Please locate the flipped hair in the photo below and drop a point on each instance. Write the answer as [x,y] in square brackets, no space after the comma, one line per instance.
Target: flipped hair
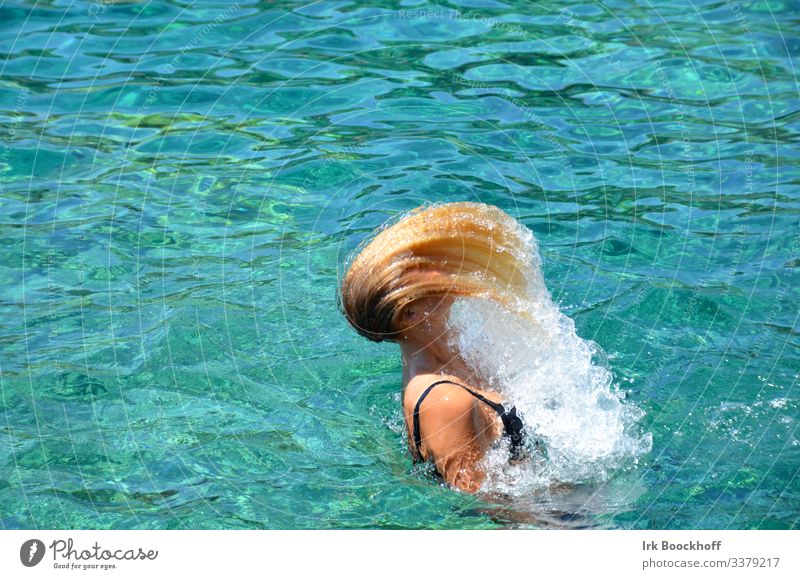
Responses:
[452,249]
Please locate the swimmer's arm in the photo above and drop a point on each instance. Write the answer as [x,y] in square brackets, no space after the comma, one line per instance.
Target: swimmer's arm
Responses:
[456,432]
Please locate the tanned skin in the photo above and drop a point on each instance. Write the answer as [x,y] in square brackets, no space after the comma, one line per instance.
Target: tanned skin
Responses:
[455,427]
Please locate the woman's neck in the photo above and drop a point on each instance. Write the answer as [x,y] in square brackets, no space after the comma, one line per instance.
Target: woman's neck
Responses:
[433,358]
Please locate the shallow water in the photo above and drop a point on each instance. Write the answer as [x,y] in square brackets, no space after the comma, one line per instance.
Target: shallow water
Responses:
[181,184]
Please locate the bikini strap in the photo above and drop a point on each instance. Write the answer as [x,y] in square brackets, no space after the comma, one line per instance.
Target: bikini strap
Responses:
[512,424]
[513,427]
[417,436]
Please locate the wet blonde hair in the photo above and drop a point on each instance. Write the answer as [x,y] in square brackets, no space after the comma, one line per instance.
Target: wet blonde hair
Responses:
[452,249]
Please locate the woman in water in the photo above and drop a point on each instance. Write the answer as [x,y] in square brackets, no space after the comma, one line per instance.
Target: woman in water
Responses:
[401,286]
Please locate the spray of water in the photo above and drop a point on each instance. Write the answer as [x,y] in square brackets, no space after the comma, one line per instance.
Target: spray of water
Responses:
[533,356]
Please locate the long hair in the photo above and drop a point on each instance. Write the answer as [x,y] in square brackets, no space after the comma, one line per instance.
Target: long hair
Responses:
[452,249]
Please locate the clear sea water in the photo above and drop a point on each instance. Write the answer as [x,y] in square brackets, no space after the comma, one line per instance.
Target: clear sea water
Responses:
[180,183]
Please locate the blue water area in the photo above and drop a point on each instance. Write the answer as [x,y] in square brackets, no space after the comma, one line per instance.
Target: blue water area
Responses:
[181,183]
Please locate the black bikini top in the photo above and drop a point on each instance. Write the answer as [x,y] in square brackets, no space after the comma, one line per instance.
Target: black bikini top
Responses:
[513,428]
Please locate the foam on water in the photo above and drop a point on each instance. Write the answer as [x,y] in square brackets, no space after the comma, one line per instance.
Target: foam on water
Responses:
[565,394]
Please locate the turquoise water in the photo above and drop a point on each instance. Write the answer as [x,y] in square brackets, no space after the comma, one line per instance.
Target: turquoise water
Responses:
[181,183]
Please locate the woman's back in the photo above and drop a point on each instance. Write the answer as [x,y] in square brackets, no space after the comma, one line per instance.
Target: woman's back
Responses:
[449,425]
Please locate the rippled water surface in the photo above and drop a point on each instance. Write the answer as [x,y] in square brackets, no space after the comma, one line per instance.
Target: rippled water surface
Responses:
[181,183]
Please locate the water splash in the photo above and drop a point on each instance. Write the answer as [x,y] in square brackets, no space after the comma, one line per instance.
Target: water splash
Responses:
[558,382]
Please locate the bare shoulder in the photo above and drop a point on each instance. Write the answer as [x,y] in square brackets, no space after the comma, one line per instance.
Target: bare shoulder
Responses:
[419,383]
[454,427]
[447,406]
